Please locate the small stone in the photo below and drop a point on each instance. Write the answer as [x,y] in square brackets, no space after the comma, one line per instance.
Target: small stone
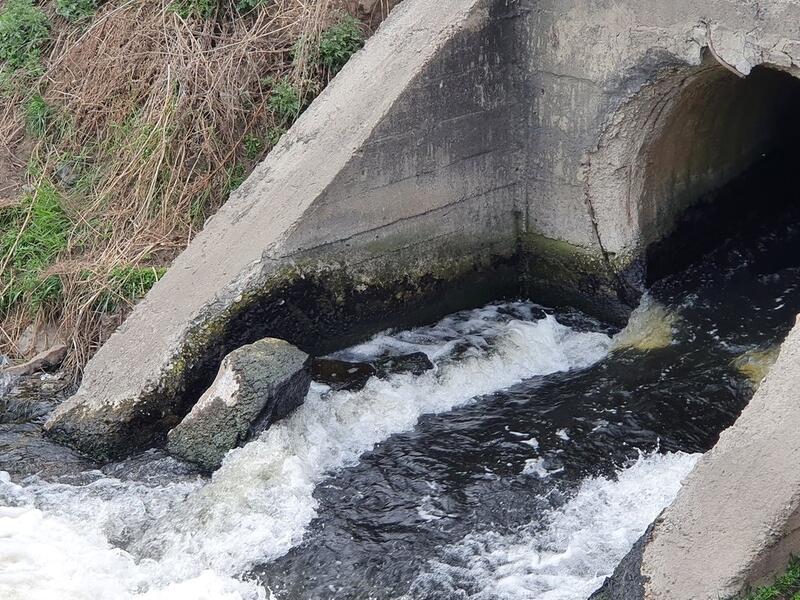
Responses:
[67,174]
[341,374]
[256,386]
[52,357]
[38,338]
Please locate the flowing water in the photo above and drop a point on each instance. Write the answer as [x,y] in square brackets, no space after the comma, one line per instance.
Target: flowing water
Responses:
[525,464]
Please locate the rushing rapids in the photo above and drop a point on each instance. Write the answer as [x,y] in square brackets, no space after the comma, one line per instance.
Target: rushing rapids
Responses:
[523,465]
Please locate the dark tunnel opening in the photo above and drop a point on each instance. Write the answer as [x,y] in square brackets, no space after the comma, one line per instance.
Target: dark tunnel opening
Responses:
[725,160]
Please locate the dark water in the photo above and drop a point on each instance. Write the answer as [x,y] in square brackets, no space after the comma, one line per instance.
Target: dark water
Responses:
[370,540]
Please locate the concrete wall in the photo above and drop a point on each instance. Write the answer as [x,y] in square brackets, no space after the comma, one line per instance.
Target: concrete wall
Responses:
[392,198]
[474,149]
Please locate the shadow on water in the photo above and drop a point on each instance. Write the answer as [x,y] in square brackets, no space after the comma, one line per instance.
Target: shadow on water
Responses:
[384,520]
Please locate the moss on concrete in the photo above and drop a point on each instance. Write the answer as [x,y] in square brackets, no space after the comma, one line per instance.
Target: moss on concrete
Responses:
[558,274]
[316,306]
[321,304]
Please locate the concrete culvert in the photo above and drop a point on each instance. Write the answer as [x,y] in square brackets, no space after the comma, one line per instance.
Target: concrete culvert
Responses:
[674,165]
[718,160]
[718,128]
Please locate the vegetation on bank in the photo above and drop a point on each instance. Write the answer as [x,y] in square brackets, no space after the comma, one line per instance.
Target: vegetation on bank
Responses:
[787,586]
[126,123]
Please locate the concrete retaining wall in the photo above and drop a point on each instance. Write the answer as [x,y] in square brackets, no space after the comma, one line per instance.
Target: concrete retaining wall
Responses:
[392,197]
[473,149]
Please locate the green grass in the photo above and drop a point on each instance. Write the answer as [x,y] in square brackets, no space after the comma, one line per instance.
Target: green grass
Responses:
[275,134]
[76,10]
[236,176]
[202,9]
[253,146]
[285,101]
[24,29]
[37,115]
[339,42]
[126,284]
[33,236]
[786,587]
[246,6]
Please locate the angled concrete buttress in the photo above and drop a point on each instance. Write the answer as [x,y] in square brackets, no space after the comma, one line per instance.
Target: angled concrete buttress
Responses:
[393,194]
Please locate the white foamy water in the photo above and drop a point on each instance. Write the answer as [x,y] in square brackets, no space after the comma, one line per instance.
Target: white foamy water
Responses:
[569,552]
[191,540]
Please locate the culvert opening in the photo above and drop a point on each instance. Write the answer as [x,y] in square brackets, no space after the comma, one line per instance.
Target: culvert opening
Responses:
[722,160]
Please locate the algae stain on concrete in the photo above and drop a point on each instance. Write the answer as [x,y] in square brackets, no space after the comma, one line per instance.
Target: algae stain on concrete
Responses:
[558,273]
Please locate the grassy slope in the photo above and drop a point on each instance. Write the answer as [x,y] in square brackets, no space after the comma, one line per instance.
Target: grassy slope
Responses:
[126,124]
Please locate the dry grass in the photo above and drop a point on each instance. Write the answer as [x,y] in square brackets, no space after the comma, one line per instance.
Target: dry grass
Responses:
[139,125]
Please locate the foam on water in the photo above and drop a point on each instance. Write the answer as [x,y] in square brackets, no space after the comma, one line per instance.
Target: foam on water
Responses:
[63,541]
[567,554]
[192,539]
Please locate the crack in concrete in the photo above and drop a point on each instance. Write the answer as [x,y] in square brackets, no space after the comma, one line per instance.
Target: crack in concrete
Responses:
[443,208]
[624,290]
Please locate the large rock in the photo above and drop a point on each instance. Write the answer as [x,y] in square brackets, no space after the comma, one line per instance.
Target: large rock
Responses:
[256,386]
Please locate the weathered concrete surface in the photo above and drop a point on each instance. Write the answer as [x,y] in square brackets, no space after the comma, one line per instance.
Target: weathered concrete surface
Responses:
[632,118]
[736,521]
[256,385]
[390,196]
[488,149]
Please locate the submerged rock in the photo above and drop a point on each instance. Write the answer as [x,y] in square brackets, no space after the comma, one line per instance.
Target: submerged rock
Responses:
[25,399]
[25,452]
[353,376]
[756,363]
[341,374]
[256,385]
[152,467]
[415,363]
